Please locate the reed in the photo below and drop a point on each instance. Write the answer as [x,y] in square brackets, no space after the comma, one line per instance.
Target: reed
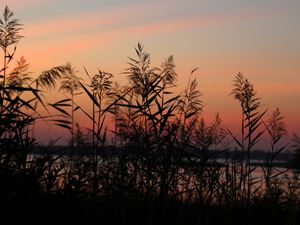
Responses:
[164,161]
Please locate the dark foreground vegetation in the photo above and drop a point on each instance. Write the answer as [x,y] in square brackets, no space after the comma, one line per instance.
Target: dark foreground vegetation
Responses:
[162,169]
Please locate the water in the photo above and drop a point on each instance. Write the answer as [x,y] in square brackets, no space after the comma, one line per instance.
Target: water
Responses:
[190,182]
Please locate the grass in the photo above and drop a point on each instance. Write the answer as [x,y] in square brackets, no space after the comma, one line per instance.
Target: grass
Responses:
[160,168]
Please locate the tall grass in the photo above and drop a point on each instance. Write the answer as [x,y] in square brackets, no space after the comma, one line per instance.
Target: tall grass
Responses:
[164,154]
[251,121]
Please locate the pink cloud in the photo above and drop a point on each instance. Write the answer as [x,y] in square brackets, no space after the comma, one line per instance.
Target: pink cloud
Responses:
[68,44]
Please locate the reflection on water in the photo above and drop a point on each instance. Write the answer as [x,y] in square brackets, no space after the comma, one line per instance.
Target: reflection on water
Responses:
[184,182]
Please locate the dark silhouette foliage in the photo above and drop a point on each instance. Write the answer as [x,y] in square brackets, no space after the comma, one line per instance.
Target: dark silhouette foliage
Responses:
[165,163]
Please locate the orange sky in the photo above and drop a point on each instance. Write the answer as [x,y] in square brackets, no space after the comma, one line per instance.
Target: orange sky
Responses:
[220,37]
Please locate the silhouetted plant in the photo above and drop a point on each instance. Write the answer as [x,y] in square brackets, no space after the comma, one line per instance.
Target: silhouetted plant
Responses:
[48,78]
[296,149]
[104,99]
[101,85]
[152,109]
[70,84]
[15,109]
[164,153]
[46,81]
[9,35]
[19,76]
[208,141]
[250,123]
[277,130]
[190,108]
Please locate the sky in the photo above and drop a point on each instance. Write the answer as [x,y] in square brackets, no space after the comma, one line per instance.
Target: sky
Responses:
[260,38]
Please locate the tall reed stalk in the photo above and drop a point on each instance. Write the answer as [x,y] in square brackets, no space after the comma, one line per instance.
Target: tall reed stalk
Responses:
[251,121]
[9,35]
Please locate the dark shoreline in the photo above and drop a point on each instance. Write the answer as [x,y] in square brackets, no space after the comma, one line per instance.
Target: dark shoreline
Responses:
[57,210]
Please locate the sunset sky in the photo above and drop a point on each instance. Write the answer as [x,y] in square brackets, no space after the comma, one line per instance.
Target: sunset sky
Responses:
[260,38]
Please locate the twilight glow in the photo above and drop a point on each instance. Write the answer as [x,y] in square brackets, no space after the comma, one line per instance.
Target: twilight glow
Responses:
[261,39]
